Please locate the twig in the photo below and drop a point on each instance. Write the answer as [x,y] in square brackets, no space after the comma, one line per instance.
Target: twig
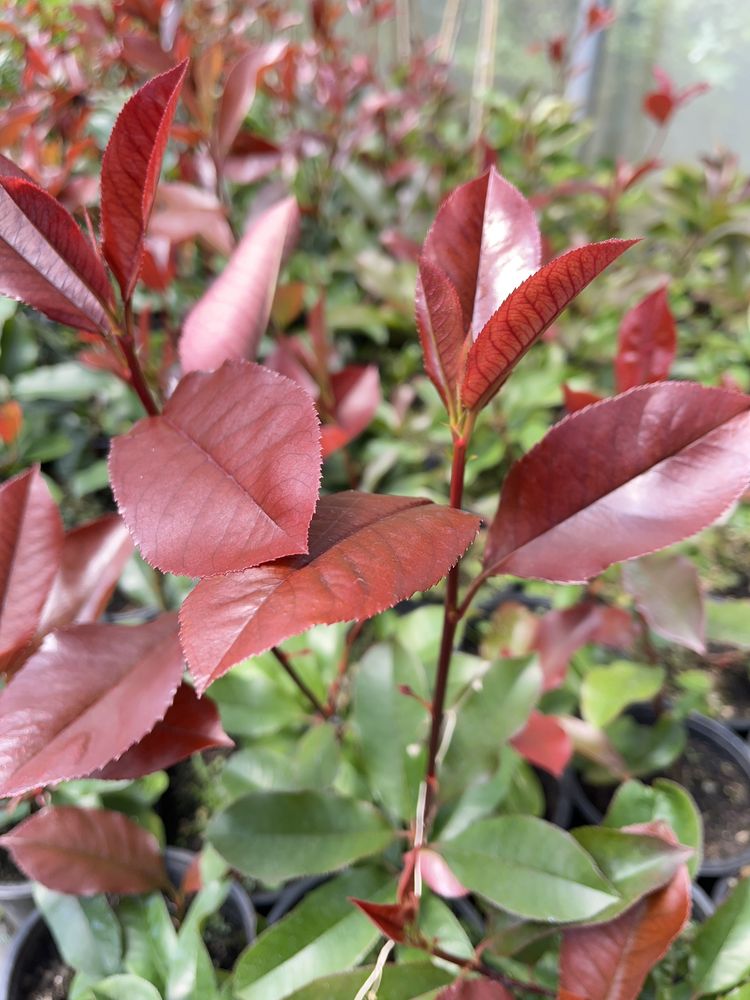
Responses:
[477,965]
[286,663]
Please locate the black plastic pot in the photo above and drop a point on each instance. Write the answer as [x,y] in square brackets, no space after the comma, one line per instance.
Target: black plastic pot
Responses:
[728,746]
[16,901]
[703,905]
[34,940]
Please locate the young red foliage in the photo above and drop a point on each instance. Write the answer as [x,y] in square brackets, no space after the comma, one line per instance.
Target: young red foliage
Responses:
[438,875]
[562,632]
[662,102]
[356,397]
[391,919]
[667,592]
[11,421]
[356,566]
[239,91]
[86,851]
[576,399]
[247,442]
[647,342]
[544,743]
[620,479]
[474,989]
[130,172]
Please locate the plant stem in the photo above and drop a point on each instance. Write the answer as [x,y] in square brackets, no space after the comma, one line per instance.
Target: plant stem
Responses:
[138,379]
[343,666]
[476,965]
[286,663]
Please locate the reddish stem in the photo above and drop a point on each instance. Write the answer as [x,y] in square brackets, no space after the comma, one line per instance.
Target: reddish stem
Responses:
[286,663]
[138,379]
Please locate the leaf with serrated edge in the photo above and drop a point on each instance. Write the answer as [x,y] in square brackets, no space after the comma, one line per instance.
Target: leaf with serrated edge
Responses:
[226,477]
[104,687]
[620,479]
[357,566]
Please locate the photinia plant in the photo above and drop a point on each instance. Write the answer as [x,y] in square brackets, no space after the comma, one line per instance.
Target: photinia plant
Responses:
[220,481]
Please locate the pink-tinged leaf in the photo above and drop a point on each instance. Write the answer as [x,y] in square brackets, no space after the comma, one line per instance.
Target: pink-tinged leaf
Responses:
[130,172]
[561,633]
[85,696]
[239,91]
[10,169]
[544,743]
[474,989]
[191,724]
[438,876]
[527,313]
[228,321]
[621,479]
[356,393]
[359,563]
[440,324]
[93,557]
[31,542]
[577,399]
[46,262]
[86,851]
[485,239]
[659,106]
[611,961]
[647,342]
[226,477]
[391,919]
[182,212]
[590,742]
[667,592]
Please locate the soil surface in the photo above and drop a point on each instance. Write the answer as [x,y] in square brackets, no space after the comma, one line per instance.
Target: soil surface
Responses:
[47,976]
[732,692]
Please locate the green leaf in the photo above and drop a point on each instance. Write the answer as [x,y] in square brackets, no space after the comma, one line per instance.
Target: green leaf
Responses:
[665,800]
[125,987]
[606,691]
[69,382]
[438,924]
[529,867]
[399,982]
[324,934]
[317,757]
[150,937]
[253,700]
[387,723]
[721,947]
[258,768]
[634,863]
[483,797]
[279,835]
[85,930]
[728,622]
[191,974]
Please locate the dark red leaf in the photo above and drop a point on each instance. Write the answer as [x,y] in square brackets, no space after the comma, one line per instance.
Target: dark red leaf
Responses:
[226,477]
[647,342]
[86,851]
[485,239]
[544,743]
[668,594]
[358,565]
[130,172]
[85,696]
[438,876]
[191,724]
[474,989]
[31,542]
[239,91]
[620,479]
[525,315]
[611,961]
[10,169]
[93,557]
[562,632]
[392,919]
[576,399]
[440,324]
[659,106]
[356,392]
[228,321]
[46,262]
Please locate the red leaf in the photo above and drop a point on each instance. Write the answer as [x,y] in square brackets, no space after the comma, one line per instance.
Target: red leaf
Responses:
[86,851]
[226,477]
[87,694]
[441,330]
[525,315]
[183,212]
[474,989]
[668,594]
[228,321]
[438,876]
[130,172]
[191,724]
[239,91]
[11,421]
[576,400]
[611,961]
[358,565]
[392,919]
[356,392]
[46,262]
[31,541]
[647,342]
[620,479]
[93,557]
[485,240]
[659,106]
[10,169]
[545,743]
[561,633]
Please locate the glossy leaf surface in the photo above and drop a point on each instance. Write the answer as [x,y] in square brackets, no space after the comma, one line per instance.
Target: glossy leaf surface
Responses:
[85,931]
[646,343]
[86,851]
[104,687]
[667,593]
[45,260]
[440,323]
[620,479]
[31,542]
[607,690]
[191,724]
[530,868]
[229,319]
[721,947]
[130,172]
[280,835]
[357,565]
[527,312]
[226,477]
[412,981]
[93,557]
